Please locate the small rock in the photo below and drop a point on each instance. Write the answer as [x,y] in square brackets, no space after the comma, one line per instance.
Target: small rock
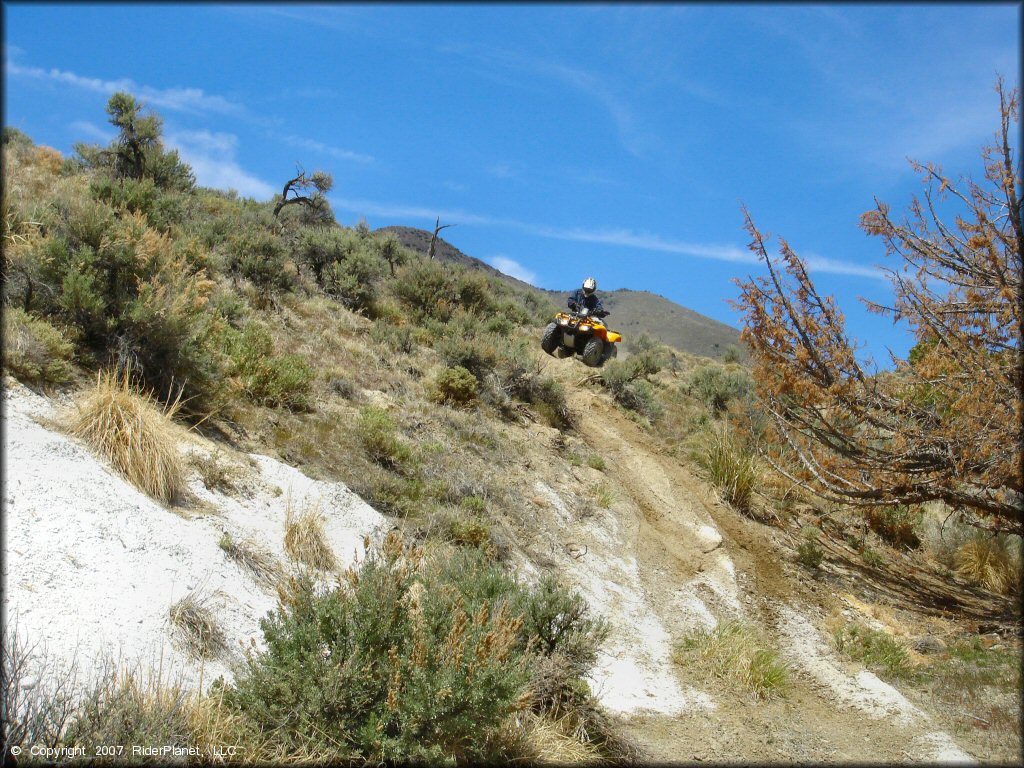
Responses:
[928,644]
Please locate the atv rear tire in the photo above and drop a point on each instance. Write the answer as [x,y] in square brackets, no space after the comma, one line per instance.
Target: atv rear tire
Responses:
[551,339]
[593,352]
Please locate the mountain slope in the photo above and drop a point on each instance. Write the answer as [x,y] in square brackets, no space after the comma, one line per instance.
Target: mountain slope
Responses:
[632,312]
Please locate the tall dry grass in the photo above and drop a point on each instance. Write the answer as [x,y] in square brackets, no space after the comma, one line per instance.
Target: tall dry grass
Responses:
[132,431]
[197,624]
[988,562]
[732,468]
[305,539]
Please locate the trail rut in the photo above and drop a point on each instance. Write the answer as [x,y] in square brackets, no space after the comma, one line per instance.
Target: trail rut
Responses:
[697,563]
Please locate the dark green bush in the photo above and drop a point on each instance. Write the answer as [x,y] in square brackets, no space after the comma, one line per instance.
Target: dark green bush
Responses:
[35,350]
[427,290]
[320,247]
[623,380]
[410,661]
[716,385]
[353,280]
[260,256]
[455,385]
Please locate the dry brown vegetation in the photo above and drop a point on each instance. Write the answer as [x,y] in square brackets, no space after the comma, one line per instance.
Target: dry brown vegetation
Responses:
[254,558]
[305,539]
[194,618]
[946,423]
[132,431]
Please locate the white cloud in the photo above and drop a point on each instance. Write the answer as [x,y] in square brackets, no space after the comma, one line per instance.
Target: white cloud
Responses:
[513,268]
[335,152]
[92,131]
[600,89]
[212,157]
[501,171]
[618,237]
[193,100]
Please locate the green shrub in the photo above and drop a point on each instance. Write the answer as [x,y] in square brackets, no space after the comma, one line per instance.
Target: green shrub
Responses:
[378,434]
[808,552]
[876,649]
[464,345]
[352,281]
[34,350]
[732,354]
[716,385]
[397,337]
[409,661]
[283,381]
[454,385]
[320,247]
[596,462]
[260,257]
[427,289]
[135,297]
[623,379]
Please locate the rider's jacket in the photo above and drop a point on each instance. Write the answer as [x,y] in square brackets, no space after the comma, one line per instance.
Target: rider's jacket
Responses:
[580,299]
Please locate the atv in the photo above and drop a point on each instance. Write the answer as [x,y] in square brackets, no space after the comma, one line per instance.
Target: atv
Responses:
[581,333]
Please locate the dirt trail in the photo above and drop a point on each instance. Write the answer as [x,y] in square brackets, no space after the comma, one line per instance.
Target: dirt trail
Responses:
[699,562]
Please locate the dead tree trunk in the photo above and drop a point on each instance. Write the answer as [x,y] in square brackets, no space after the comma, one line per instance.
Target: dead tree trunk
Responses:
[438,226]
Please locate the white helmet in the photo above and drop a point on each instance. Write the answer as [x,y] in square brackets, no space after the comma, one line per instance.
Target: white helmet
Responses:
[589,285]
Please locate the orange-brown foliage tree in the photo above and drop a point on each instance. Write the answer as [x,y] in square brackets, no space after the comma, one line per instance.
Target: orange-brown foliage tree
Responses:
[944,424]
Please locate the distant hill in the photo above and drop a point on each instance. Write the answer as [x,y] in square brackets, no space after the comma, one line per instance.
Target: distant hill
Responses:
[632,312]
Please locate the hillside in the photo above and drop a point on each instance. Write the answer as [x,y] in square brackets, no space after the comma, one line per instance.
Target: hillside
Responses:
[633,312]
[275,485]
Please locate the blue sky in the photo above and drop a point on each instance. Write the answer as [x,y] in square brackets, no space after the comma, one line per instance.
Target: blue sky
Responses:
[618,141]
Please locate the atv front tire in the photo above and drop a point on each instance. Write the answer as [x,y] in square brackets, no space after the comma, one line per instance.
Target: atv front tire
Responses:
[593,353]
[551,339]
[610,351]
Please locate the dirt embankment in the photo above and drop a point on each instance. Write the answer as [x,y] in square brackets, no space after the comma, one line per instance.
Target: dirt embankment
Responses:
[697,562]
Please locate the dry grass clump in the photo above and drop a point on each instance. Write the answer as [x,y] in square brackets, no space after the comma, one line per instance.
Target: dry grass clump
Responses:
[134,433]
[129,705]
[554,742]
[197,625]
[253,558]
[732,468]
[732,651]
[987,561]
[305,540]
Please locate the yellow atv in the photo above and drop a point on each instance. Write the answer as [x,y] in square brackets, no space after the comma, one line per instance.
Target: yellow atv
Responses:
[580,333]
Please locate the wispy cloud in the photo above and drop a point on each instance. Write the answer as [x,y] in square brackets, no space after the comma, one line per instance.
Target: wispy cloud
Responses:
[212,157]
[598,88]
[92,131]
[501,171]
[193,100]
[513,268]
[625,238]
[335,152]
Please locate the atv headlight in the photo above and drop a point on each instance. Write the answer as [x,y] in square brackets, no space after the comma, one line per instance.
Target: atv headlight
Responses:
[584,328]
[562,321]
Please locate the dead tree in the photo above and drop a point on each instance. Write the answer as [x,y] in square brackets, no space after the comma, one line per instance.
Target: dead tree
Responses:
[946,423]
[438,226]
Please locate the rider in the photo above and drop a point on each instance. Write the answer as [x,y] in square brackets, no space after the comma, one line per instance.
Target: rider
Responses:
[587,297]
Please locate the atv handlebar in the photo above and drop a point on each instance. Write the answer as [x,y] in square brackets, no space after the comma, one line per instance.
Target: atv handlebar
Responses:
[585,312]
